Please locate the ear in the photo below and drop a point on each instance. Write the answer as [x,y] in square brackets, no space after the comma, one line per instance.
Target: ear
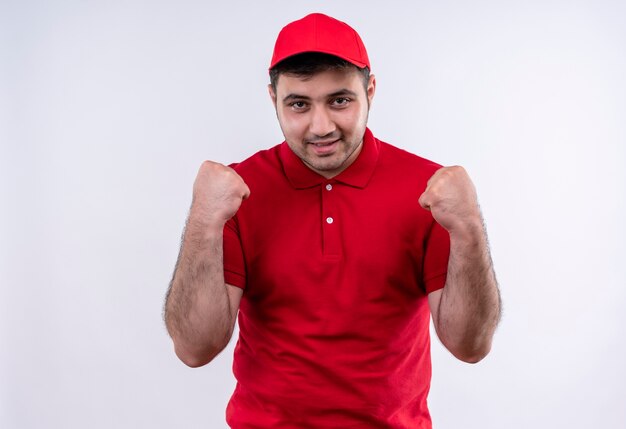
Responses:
[272,94]
[371,88]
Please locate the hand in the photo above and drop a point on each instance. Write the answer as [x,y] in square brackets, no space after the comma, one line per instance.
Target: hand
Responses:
[451,197]
[218,192]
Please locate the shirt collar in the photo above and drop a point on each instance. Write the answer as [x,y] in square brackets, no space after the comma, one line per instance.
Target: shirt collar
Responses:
[357,174]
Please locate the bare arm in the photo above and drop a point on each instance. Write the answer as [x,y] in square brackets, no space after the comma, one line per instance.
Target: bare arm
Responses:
[466,311]
[200,308]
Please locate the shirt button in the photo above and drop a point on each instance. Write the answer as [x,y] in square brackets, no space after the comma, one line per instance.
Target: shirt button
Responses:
[329,187]
[329,220]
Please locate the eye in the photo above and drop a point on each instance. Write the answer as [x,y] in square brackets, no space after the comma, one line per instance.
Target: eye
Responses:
[340,102]
[298,105]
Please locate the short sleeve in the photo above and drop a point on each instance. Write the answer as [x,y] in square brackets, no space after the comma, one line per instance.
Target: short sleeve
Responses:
[234,264]
[436,254]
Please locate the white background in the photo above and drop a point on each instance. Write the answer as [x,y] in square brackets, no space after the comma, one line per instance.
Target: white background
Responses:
[108,108]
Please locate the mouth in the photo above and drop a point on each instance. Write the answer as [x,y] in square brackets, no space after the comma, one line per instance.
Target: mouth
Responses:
[322,148]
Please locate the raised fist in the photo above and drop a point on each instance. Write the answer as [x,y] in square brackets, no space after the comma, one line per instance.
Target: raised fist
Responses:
[217,192]
[451,197]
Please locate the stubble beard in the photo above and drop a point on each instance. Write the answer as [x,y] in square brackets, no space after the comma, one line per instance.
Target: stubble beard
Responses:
[328,163]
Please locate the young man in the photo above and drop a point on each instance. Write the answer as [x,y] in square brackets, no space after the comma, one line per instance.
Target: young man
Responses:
[334,249]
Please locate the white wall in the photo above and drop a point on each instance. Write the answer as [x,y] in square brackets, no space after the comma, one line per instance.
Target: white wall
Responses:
[108,108]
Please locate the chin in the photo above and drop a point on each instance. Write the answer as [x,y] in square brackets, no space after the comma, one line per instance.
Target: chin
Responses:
[327,164]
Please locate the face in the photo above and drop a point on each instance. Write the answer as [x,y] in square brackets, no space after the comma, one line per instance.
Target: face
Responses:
[323,117]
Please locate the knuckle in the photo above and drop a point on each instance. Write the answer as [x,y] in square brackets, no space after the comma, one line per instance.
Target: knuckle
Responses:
[460,170]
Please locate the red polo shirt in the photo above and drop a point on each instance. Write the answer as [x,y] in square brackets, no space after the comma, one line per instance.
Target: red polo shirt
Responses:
[334,318]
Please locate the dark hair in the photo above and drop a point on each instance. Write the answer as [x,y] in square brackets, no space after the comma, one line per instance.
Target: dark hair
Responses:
[308,64]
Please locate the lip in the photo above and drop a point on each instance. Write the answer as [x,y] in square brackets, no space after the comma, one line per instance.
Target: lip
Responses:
[324,147]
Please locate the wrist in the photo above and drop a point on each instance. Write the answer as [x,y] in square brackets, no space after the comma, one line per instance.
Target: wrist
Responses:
[205,221]
[471,230]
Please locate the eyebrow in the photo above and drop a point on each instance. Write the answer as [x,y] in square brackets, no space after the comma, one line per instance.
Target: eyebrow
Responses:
[344,91]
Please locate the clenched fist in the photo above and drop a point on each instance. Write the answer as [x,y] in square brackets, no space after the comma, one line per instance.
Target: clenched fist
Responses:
[217,192]
[451,197]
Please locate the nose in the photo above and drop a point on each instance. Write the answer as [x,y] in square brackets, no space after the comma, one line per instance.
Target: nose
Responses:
[321,122]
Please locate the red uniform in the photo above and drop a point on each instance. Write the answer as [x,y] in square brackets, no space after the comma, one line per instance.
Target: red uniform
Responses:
[334,318]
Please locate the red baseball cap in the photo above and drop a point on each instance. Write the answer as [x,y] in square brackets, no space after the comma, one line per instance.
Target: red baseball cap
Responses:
[320,33]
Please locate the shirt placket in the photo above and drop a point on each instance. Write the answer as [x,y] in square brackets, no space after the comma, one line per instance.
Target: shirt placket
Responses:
[331,221]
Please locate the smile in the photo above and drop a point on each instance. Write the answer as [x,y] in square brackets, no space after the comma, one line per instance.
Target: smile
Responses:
[324,148]
[319,144]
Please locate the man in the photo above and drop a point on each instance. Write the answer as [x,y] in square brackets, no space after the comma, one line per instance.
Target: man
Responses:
[333,248]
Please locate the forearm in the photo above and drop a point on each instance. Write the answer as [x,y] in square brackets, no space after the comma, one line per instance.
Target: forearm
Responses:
[197,309]
[469,309]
